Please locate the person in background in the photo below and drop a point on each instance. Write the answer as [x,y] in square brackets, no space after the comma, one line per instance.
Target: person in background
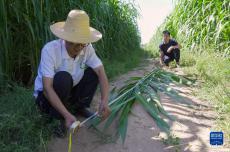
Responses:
[169,50]
[70,71]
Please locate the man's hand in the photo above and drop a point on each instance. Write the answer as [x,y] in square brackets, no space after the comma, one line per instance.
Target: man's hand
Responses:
[69,120]
[178,46]
[104,111]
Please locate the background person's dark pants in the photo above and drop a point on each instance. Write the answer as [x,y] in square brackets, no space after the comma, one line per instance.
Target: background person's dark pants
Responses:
[79,96]
[175,55]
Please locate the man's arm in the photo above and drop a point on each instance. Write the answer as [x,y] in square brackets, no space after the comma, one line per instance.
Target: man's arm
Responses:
[104,85]
[178,46]
[175,45]
[161,57]
[55,101]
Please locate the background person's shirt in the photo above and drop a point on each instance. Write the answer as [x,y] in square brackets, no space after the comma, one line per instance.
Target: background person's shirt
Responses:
[164,47]
[55,58]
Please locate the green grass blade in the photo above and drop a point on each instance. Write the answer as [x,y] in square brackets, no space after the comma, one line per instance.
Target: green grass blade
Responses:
[123,122]
[159,121]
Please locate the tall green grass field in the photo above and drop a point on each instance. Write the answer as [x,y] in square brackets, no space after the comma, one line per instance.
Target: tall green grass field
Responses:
[202,27]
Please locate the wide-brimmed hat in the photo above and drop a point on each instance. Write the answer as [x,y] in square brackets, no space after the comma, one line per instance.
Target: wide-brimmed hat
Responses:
[76,28]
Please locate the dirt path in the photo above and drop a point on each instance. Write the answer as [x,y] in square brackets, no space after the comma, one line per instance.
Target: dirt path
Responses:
[192,127]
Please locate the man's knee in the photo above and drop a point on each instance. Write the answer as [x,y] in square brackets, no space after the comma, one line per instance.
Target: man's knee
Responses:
[90,75]
[63,78]
[62,84]
[88,86]
[176,54]
[176,51]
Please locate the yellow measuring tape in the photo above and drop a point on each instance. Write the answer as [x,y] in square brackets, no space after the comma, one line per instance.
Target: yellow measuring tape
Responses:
[75,125]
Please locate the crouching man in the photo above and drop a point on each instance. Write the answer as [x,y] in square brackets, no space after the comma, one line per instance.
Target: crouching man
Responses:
[69,71]
[169,50]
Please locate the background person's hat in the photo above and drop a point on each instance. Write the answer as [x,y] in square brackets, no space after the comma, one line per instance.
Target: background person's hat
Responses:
[76,28]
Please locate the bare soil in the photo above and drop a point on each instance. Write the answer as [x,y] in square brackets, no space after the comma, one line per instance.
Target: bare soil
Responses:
[192,127]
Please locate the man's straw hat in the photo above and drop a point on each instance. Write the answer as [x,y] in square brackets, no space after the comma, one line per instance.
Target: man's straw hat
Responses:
[76,28]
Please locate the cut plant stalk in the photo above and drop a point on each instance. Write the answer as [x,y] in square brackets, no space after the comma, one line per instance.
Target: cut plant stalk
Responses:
[143,90]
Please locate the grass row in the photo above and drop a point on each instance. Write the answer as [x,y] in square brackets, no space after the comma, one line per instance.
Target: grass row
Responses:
[203,61]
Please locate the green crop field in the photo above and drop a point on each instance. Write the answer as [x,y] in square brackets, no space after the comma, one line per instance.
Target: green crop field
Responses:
[203,29]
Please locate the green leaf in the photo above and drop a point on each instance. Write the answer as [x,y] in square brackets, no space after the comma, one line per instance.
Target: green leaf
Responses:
[159,121]
[123,123]
[115,111]
[155,99]
[113,94]
[145,91]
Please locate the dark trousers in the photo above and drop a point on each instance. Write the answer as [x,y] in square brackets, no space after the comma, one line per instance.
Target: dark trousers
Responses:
[79,96]
[175,55]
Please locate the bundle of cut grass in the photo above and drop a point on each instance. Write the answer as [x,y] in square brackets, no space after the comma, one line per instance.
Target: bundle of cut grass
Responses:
[144,91]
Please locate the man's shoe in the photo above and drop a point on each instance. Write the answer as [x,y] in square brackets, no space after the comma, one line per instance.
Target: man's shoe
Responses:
[84,112]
